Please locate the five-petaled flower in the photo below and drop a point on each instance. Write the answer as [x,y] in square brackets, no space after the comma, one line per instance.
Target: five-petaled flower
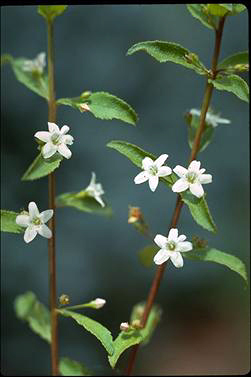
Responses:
[36,65]
[171,247]
[34,222]
[191,178]
[95,190]
[152,171]
[55,140]
[211,118]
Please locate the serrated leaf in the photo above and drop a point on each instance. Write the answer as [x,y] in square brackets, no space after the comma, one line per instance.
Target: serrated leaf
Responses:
[169,51]
[193,122]
[41,167]
[104,106]
[8,222]
[94,327]
[69,367]
[146,255]
[128,339]
[49,12]
[199,11]
[233,60]
[83,203]
[38,83]
[217,256]
[232,83]
[29,309]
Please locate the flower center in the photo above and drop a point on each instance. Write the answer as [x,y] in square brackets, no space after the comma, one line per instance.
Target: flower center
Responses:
[36,221]
[171,245]
[55,138]
[191,177]
[153,170]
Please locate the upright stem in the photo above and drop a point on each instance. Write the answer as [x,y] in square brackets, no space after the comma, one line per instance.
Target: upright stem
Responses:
[52,242]
[179,203]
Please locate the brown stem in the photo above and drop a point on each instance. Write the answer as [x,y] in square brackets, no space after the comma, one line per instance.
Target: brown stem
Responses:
[52,194]
[179,203]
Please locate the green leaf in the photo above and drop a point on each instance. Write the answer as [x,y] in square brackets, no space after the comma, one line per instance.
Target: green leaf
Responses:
[83,202]
[172,52]
[49,12]
[193,122]
[146,255]
[233,60]
[200,12]
[29,309]
[232,83]
[69,367]
[38,83]
[128,339]
[217,256]
[219,10]
[94,327]
[238,8]
[41,167]
[8,222]
[103,106]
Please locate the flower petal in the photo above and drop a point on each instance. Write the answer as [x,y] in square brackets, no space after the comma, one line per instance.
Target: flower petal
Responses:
[205,178]
[99,200]
[153,182]
[67,139]
[64,130]
[202,171]
[53,127]
[194,166]
[180,171]
[160,240]
[46,215]
[173,235]
[161,257]
[64,151]
[185,246]
[164,170]
[147,162]
[141,177]
[196,189]
[33,210]
[177,259]
[43,135]
[180,185]
[160,160]
[23,220]
[29,234]
[181,238]
[195,112]
[49,150]
[44,231]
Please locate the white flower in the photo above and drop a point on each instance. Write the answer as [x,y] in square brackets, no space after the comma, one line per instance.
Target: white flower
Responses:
[99,302]
[55,141]
[152,171]
[191,178]
[211,118]
[34,222]
[171,247]
[95,190]
[36,65]
[124,326]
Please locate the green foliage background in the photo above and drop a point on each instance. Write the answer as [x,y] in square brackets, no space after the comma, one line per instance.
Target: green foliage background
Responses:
[205,320]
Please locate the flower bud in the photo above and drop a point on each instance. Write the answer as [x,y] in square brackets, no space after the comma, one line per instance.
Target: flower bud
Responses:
[136,324]
[134,215]
[84,107]
[86,94]
[99,303]
[64,299]
[124,326]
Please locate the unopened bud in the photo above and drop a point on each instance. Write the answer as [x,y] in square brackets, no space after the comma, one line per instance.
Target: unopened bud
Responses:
[64,299]
[134,215]
[136,324]
[84,107]
[99,303]
[124,326]
[199,243]
[86,94]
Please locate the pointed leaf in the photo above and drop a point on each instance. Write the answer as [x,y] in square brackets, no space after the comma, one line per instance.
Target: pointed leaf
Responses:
[49,12]
[146,255]
[200,12]
[8,222]
[232,83]
[217,256]
[172,52]
[69,367]
[94,327]
[29,309]
[233,60]
[41,167]
[103,106]
[38,83]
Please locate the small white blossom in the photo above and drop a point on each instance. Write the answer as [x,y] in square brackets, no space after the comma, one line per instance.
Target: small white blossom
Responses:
[191,178]
[36,65]
[34,222]
[152,171]
[171,247]
[55,140]
[99,302]
[95,190]
[211,118]
[124,326]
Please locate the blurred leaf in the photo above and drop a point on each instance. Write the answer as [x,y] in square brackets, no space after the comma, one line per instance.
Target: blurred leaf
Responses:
[169,51]
[238,8]
[232,83]
[214,255]
[231,61]
[8,222]
[83,203]
[49,12]
[38,83]
[41,167]
[146,255]
[193,122]
[94,327]
[69,367]
[199,11]
[103,106]
[219,10]
[29,309]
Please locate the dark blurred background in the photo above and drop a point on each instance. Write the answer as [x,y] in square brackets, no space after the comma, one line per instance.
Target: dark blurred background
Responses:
[205,324]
